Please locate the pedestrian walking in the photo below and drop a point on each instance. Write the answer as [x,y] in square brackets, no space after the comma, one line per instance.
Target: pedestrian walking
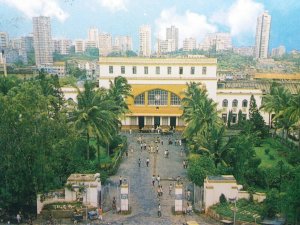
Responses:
[130,131]
[145,146]
[142,146]
[126,152]
[181,152]
[120,180]
[100,213]
[153,180]
[183,164]
[114,205]
[170,188]
[158,180]
[147,161]
[19,218]
[162,142]
[161,190]
[159,211]
[158,191]
[139,162]
[180,142]
[188,195]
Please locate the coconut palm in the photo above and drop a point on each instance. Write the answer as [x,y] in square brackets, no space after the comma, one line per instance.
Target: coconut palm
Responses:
[95,115]
[199,112]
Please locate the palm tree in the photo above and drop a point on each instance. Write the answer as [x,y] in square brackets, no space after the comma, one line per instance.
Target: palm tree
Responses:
[293,112]
[199,112]
[214,144]
[120,90]
[95,115]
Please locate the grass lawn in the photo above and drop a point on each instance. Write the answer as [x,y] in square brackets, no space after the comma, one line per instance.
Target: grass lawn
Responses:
[246,211]
[276,153]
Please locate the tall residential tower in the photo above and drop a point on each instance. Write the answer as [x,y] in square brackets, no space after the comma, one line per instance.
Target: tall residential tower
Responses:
[262,36]
[172,34]
[42,40]
[145,40]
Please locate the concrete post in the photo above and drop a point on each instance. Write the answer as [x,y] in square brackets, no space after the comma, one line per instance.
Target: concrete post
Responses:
[178,198]
[124,196]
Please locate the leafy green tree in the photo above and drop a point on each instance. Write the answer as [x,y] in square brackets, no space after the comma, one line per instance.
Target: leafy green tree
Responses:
[199,168]
[256,119]
[271,204]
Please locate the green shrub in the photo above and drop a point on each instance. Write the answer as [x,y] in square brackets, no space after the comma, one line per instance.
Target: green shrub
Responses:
[271,157]
[223,199]
[267,151]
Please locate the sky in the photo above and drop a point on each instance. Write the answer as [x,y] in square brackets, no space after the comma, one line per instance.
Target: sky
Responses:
[195,18]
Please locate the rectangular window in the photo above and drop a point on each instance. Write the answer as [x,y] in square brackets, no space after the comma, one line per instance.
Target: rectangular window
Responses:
[122,69]
[133,120]
[204,70]
[192,70]
[157,70]
[134,69]
[111,69]
[169,70]
[146,70]
[180,70]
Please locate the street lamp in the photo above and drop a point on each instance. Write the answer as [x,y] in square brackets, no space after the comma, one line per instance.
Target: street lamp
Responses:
[235,209]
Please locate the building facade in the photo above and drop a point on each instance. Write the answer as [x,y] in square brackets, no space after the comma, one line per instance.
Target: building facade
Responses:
[262,36]
[4,40]
[278,52]
[145,40]
[189,44]
[105,44]
[172,35]
[42,40]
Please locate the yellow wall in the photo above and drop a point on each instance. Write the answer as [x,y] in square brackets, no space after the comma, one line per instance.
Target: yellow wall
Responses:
[153,110]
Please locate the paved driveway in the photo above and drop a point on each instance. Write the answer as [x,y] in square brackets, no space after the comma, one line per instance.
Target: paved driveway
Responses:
[143,198]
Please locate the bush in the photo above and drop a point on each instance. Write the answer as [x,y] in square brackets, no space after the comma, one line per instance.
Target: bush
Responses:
[223,199]
[271,157]
[267,151]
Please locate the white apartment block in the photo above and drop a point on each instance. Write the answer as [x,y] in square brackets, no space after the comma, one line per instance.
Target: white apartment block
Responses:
[43,46]
[79,46]
[279,51]
[93,35]
[172,36]
[90,44]
[105,44]
[217,41]
[4,40]
[145,40]
[262,36]
[62,46]
[244,51]
[122,43]
[165,46]
[189,44]
[57,68]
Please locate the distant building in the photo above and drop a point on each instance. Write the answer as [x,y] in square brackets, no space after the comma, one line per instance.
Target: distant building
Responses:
[62,46]
[217,41]
[262,36]
[189,44]
[278,52]
[26,47]
[245,51]
[90,44]
[145,40]
[79,46]
[122,43]
[4,40]
[105,44]
[57,68]
[42,40]
[93,35]
[172,36]
[164,46]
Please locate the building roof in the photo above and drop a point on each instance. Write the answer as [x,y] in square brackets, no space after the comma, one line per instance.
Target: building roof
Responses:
[78,177]
[262,85]
[221,178]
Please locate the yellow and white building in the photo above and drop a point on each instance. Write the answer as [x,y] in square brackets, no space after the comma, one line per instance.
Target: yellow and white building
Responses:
[158,85]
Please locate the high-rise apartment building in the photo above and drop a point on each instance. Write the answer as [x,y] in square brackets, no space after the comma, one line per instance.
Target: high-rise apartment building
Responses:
[62,46]
[105,44]
[123,43]
[216,41]
[189,44]
[145,40]
[165,46]
[93,36]
[279,51]
[262,36]
[42,40]
[3,40]
[172,35]
[79,46]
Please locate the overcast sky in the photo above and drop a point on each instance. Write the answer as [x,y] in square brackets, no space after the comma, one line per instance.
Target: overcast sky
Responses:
[194,18]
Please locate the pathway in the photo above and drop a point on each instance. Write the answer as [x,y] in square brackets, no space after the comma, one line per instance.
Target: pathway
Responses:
[143,198]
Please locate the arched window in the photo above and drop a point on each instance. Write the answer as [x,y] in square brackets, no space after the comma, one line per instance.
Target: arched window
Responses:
[140,99]
[175,100]
[234,103]
[245,103]
[158,97]
[225,103]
